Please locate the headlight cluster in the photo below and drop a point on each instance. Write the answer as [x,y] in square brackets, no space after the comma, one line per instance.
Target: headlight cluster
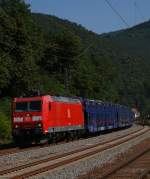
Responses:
[18,119]
[36,118]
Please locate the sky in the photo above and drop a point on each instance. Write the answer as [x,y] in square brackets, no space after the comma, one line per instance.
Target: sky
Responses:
[95,15]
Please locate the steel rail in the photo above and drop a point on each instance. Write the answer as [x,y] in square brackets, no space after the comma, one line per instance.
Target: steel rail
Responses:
[115,172]
[14,150]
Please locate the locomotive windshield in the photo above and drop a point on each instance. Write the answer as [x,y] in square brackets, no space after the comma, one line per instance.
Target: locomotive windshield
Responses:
[31,106]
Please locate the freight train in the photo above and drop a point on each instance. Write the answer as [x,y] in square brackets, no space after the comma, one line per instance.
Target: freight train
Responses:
[50,117]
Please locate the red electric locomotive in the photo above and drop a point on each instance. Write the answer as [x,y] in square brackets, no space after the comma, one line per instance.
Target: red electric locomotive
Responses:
[36,118]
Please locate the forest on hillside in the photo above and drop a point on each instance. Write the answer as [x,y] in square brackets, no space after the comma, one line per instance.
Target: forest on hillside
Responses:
[42,53]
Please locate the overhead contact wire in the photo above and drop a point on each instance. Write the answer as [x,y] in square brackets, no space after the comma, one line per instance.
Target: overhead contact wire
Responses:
[117,13]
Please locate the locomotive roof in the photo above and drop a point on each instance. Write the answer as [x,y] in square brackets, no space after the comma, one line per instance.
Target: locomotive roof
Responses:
[54,98]
[65,99]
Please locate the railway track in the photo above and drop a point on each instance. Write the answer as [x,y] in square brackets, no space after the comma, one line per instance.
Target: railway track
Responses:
[136,167]
[53,162]
[14,149]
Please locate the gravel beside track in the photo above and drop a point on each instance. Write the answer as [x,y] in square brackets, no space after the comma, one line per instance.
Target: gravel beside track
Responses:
[20,158]
[83,166]
[134,163]
[16,149]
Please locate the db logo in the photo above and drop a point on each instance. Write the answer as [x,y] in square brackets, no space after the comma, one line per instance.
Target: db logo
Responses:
[28,118]
[69,113]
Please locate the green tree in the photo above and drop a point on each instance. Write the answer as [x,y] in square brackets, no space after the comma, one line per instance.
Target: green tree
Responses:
[5,122]
[6,47]
[24,42]
[62,57]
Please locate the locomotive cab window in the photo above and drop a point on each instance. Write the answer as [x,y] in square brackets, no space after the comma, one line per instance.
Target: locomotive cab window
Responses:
[21,106]
[35,106]
[32,106]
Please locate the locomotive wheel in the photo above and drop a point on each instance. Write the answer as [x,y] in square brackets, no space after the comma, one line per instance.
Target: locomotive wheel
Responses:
[55,138]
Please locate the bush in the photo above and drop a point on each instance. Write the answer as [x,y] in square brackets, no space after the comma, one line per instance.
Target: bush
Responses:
[5,121]
[5,127]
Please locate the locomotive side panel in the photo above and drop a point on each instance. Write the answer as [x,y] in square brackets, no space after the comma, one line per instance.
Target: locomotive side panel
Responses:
[65,116]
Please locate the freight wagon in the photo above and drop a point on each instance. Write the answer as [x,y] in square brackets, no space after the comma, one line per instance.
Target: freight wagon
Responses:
[50,117]
[100,116]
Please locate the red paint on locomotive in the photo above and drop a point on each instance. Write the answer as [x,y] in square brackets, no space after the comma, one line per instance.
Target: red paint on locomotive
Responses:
[48,114]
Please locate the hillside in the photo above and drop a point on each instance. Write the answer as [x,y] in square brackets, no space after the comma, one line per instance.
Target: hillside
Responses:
[127,50]
[52,24]
[135,40]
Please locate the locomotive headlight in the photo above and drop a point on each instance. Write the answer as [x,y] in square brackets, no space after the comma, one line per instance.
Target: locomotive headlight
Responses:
[18,119]
[39,125]
[36,118]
